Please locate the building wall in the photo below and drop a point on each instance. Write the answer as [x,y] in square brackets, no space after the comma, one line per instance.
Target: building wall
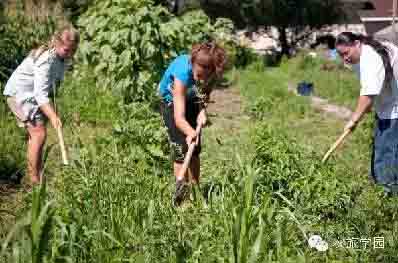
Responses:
[383,8]
[339,28]
[373,27]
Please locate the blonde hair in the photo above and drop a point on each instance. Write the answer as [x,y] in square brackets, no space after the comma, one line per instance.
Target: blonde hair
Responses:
[73,36]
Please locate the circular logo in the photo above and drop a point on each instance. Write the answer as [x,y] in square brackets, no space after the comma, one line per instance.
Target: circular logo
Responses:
[315,241]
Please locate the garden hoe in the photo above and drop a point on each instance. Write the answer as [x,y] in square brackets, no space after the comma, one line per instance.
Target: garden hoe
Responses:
[59,133]
[189,154]
[335,145]
[188,157]
[62,145]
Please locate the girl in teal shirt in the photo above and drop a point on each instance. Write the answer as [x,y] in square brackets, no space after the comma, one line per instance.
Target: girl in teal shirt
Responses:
[182,108]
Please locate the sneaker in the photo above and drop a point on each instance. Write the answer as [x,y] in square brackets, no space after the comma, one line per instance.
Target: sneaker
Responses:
[180,192]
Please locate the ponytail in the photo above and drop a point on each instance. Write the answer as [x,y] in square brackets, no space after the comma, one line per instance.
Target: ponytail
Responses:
[349,38]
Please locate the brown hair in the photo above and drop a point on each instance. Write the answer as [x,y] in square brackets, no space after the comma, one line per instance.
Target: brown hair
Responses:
[209,55]
[56,38]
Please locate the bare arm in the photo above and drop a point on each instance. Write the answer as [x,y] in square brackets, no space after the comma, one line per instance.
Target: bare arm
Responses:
[48,110]
[364,105]
[179,109]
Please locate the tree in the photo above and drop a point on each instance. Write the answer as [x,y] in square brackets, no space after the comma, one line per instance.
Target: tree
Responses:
[171,5]
[74,8]
[1,12]
[178,7]
[295,15]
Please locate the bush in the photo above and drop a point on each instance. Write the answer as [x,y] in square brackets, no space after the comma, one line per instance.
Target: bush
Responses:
[74,8]
[299,176]
[140,128]
[18,36]
[131,42]
[244,56]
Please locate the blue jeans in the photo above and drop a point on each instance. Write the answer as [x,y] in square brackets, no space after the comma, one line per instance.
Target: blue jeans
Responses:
[384,167]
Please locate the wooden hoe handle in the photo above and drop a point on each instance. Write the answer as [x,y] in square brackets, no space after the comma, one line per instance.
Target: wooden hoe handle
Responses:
[188,157]
[62,145]
[335,145]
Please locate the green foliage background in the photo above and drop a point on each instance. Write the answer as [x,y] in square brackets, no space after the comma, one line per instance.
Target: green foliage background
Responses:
[19,35]
[131,42]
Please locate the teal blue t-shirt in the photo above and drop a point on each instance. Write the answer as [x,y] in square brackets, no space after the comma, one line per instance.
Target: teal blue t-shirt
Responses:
[181,69]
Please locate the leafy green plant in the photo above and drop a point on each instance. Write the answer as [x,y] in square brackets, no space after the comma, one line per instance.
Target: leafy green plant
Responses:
[131,42]
[19,35]
[32,233]
[245,217]
[141,128]
[12,146]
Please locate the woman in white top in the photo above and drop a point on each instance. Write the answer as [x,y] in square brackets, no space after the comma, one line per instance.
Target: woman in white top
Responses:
[376,64]
[30,87]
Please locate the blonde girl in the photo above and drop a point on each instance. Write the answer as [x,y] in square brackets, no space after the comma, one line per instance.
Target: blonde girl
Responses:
[29,89]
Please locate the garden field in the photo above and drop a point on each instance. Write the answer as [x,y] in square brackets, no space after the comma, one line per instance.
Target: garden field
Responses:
[264,191]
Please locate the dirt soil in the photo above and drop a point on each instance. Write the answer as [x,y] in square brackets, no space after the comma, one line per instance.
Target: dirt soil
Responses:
[225,109]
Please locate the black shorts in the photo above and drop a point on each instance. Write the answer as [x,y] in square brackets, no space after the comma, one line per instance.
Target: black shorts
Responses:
[177,138]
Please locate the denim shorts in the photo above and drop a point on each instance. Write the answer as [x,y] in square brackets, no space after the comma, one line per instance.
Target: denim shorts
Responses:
[27,113]
[177,138]
[384,166]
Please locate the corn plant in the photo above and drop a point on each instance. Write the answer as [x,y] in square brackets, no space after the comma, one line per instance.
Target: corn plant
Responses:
[30,238]
[245,217]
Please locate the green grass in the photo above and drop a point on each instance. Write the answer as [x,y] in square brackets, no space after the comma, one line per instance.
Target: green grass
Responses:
[316,131]
[266,191]
[331,79]
[293,138]
[12,158]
